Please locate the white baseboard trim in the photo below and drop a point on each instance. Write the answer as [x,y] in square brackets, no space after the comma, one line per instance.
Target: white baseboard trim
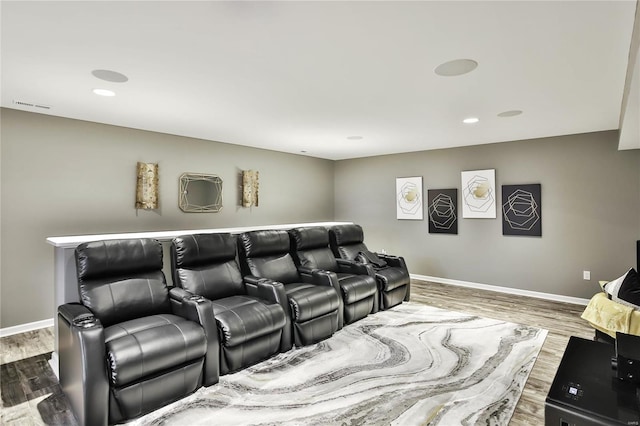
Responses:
[23,328]
[508,290]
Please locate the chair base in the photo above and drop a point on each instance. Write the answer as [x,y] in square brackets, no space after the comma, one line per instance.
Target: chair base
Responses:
[248,353]
[143,397]
[358,310]
[391,298]
[316,329]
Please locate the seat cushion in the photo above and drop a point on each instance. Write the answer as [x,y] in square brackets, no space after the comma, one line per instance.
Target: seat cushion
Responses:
[356,287]
[310,301]
[392,278]
[244,318]
[144,346]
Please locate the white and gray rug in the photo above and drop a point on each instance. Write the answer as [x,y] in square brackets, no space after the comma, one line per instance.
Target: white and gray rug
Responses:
[413,364]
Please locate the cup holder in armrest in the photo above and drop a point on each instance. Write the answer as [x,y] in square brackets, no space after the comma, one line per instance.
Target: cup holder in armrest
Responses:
[85,321]
[196,298]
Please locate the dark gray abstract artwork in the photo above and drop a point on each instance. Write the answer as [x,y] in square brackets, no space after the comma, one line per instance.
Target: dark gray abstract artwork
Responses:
[443,211]
[522,210]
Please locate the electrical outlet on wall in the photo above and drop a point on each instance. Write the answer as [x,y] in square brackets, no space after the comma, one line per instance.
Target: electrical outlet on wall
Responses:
[586,275]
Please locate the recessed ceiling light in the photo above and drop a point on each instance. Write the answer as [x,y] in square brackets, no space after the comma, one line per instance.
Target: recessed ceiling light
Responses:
[104,92]
[470,120]
[510,113]
[354,138]
[456,67]
[108,75]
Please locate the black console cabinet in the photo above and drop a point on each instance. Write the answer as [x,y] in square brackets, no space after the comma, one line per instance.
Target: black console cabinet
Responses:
[586,391]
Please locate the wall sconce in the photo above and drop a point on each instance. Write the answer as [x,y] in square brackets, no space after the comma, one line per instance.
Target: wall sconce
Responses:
[250,188]
[147,186]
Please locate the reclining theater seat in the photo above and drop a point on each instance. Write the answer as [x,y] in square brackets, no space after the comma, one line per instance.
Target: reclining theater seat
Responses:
[249,328]
[347,242]
[314,308]
[359,291]
[123,350]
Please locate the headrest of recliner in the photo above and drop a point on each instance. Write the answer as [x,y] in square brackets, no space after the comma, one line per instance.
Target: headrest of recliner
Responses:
[264,243]
[108,258]
[347,234]
[310,238]
[203,249]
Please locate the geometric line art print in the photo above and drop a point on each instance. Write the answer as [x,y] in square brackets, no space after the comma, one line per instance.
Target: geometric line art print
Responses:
[409,198]
[443,211]
[478,194]
[522,210]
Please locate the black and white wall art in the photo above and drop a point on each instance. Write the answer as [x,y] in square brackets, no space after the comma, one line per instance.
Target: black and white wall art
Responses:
[479,194]
[409,198]
[443,211]
[522,210]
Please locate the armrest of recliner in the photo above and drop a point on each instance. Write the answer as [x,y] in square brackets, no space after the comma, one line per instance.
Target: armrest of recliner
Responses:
[320,277]
[355,268]
[253,280]
[82,370]
[272,291]
[71,312]
[307,272]
[200,310]
[398,262]
[327,279]
[265,289]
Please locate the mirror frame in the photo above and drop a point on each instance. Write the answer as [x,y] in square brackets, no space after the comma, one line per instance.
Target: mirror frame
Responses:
[188,206]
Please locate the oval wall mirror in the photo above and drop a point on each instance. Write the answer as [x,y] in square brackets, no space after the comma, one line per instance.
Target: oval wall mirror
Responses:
[200,193]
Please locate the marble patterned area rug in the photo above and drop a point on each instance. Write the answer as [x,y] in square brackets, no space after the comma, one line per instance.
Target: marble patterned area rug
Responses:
[413,364]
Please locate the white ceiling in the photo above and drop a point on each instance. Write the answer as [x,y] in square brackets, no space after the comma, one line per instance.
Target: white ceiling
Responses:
[304,76]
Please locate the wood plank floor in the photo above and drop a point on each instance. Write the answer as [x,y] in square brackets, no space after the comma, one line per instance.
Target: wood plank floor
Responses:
[30,396]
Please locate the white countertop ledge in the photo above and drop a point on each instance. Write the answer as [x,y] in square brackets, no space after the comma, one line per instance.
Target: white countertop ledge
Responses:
[73,241]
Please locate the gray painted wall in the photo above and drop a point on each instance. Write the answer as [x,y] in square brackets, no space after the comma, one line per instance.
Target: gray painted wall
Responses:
[68,177]
[590,212]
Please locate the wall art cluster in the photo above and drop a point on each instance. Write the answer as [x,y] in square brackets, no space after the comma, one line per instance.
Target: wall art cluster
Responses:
[409,198]
[479,194]
[522,210]
[443,211]
[521,205]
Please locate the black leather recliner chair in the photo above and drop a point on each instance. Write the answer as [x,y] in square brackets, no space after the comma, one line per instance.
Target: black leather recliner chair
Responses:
[311,251]
[131,345]
[347,242]
[250,329]
[314,309]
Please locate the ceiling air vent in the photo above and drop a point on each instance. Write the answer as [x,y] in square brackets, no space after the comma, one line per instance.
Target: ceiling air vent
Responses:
[30,104]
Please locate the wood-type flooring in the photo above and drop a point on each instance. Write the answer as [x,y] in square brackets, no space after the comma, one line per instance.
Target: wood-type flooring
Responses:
[31,395]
